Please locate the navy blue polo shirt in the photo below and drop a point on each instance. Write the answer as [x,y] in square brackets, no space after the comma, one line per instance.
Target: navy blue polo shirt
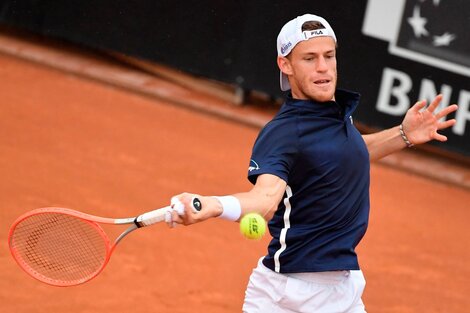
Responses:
[321,155]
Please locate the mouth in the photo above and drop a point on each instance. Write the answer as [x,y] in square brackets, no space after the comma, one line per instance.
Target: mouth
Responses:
[322,82]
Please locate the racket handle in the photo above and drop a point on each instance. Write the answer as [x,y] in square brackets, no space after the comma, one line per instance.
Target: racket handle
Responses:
[164,214]
[153,217]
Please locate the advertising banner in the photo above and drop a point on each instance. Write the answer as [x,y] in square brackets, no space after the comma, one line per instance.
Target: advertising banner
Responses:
[393,52]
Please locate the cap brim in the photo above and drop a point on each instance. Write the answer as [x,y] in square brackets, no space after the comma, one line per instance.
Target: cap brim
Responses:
[284,82]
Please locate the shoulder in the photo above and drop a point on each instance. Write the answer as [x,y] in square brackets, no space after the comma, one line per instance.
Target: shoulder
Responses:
[282,128]
[285,120]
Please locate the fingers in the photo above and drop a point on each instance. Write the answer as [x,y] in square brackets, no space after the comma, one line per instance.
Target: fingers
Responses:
[446,124]
[446,111]
[439,137]
[418,106]
[174,219]
[188,203]
[177,206]
[182,210]
[432,107]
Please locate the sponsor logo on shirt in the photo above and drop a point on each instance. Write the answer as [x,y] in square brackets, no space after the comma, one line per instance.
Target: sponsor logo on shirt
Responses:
[253,166]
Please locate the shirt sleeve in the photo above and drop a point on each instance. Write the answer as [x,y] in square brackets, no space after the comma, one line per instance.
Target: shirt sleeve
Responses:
[274,151]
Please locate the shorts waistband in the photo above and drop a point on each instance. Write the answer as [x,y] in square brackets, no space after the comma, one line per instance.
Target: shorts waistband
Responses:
[327,277]
[331,277]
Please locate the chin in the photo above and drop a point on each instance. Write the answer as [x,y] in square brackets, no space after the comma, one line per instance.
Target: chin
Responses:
[322,96]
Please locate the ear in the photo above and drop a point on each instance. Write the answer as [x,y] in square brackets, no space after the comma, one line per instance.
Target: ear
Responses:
[284,65]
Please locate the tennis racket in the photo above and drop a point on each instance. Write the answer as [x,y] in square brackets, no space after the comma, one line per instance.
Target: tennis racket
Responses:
[64,247]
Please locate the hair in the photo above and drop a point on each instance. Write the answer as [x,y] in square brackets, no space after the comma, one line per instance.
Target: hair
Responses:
[312,25]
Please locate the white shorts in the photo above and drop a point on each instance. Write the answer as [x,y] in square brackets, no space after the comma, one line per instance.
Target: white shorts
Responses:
[322,292]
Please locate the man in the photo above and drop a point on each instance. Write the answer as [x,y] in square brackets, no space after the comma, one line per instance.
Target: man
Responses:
[310,170]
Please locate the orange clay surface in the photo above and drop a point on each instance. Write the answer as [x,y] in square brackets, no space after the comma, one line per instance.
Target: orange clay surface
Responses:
[70,142]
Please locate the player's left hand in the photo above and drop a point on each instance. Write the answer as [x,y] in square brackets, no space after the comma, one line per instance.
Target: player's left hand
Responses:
[422,125]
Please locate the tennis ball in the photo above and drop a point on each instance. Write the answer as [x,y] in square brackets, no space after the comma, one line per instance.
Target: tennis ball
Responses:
[253,226]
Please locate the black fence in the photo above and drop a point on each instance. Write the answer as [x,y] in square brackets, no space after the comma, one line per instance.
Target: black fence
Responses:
[392,52]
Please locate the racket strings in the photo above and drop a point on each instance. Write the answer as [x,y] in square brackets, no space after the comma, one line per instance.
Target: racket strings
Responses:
[60,248]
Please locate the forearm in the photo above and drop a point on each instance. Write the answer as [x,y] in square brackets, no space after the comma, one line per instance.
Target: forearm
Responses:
[264,203]
[383,143]
[263,198]
[259,199]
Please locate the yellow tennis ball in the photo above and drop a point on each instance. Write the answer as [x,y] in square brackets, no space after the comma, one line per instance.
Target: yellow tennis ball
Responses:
[253,226]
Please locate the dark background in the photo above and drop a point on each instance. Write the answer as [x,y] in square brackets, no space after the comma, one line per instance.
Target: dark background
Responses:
[233,42]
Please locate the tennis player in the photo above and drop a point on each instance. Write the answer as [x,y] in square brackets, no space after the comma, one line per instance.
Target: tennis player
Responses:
[310,169]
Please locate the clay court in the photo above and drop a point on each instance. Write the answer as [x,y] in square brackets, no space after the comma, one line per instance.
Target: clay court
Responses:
[69,141]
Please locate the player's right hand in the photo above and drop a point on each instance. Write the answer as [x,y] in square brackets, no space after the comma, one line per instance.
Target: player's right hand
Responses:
[185,213]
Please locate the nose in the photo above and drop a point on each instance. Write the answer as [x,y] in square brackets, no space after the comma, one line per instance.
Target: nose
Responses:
[321,64]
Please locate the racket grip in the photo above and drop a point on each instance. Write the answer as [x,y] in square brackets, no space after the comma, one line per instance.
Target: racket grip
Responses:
[153,217]
[164,214]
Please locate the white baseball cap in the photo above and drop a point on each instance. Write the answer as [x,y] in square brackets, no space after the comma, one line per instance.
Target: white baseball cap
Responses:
[291,34]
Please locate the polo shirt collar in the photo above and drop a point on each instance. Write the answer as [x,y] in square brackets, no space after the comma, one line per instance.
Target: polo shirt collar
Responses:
[344,100]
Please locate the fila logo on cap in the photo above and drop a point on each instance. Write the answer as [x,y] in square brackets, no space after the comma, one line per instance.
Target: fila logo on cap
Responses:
[314,33]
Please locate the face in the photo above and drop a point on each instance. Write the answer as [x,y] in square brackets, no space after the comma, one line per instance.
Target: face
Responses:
[311,68]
